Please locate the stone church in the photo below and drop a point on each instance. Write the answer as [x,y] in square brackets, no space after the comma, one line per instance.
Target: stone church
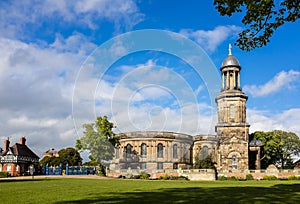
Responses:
[230,148]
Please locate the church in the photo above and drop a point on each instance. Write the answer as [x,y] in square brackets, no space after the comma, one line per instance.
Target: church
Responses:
[229,148]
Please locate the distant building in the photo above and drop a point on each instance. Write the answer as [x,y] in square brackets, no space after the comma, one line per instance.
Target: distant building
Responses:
[17,159]
[51,153]
[230,148]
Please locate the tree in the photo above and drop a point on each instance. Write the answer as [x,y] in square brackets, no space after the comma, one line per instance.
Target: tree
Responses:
[98,139]
[206,163]
[68,156]
[261,18]
[278,147]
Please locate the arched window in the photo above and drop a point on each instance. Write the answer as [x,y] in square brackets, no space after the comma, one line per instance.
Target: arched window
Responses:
[160,149]
[128,150]
[143,150]
[234,162]
[203,153]
[175,154]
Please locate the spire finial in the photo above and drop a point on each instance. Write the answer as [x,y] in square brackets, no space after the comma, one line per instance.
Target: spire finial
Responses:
[229,49]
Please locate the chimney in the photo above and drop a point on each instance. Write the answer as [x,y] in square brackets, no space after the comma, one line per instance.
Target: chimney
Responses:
[6,144]
[22,140]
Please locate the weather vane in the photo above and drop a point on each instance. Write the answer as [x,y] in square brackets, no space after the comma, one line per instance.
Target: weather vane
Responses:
[230,48]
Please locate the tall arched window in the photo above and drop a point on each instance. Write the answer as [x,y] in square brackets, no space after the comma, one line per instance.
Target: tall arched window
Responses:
[203,153]
[143,150]
[175,154]
[128,150]
[234,162]
[160,151]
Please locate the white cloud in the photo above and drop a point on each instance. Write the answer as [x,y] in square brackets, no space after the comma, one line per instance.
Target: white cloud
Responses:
[17,15]
[210,39]
[287,120]
[36,86]
[280,81]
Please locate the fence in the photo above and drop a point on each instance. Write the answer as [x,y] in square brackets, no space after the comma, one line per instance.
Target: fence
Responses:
[70,170]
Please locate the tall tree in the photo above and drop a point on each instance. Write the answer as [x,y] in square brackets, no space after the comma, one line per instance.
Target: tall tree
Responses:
[98,139]
[68,156]
[261,18]
[279,147]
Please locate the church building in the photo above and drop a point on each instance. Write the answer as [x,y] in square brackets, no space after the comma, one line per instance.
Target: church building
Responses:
[230,148]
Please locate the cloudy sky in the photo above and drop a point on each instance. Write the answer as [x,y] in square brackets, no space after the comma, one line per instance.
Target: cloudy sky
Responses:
[65,62]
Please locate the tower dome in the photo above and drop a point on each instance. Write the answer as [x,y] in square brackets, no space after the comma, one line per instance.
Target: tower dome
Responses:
[230,60]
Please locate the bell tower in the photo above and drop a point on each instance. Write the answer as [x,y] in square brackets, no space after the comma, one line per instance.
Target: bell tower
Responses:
[232,128]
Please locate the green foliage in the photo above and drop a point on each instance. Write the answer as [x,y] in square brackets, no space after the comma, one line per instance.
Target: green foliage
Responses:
[279,147]
[101,170]
[69,156]
[232,178]
[98,139]
[144,175]
[294,178]
[164,177]
[249,177]
[91,163]
[206,163]
[222,178]
[66,156]
[261,18]
[271,177]
[3,174]
[168,177]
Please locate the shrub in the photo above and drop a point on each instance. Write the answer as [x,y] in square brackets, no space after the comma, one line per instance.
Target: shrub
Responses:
[249,177]
[232,178]
[164,177]
[271,177]
[222,178]
[144,175]
[293,178]
[3,174]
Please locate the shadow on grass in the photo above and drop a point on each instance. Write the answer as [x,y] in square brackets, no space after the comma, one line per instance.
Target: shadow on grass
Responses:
[281,193]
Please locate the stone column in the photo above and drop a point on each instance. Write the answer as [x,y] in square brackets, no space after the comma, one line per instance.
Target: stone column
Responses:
[227,80]
[234,81]
[223,80]
[239,81]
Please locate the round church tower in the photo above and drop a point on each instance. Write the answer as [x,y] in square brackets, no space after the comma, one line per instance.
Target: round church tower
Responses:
[232,128]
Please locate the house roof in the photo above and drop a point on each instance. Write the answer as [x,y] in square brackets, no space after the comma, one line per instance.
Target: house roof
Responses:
[21,150]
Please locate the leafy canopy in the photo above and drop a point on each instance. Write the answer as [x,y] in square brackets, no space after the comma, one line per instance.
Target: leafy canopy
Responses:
[98,139]
[261,19]
[279,147]
[68,156]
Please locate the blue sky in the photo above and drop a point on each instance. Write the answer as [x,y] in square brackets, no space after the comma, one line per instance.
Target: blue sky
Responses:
[47,49]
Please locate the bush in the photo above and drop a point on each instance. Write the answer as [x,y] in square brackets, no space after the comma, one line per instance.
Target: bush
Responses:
[144,175]
[164,177]
[233,178]
[222,178]
[3,174]
[249,177]
[293,178]
[271,177]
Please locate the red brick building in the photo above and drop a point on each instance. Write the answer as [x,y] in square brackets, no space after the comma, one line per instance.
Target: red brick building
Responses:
[17,159]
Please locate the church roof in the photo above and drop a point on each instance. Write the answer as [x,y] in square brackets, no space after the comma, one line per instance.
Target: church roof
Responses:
[230,60]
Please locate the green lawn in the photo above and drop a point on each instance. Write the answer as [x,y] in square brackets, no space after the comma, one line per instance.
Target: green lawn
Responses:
[68,190]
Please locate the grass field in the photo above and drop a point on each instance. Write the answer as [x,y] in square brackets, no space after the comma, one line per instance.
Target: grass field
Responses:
[70,190]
